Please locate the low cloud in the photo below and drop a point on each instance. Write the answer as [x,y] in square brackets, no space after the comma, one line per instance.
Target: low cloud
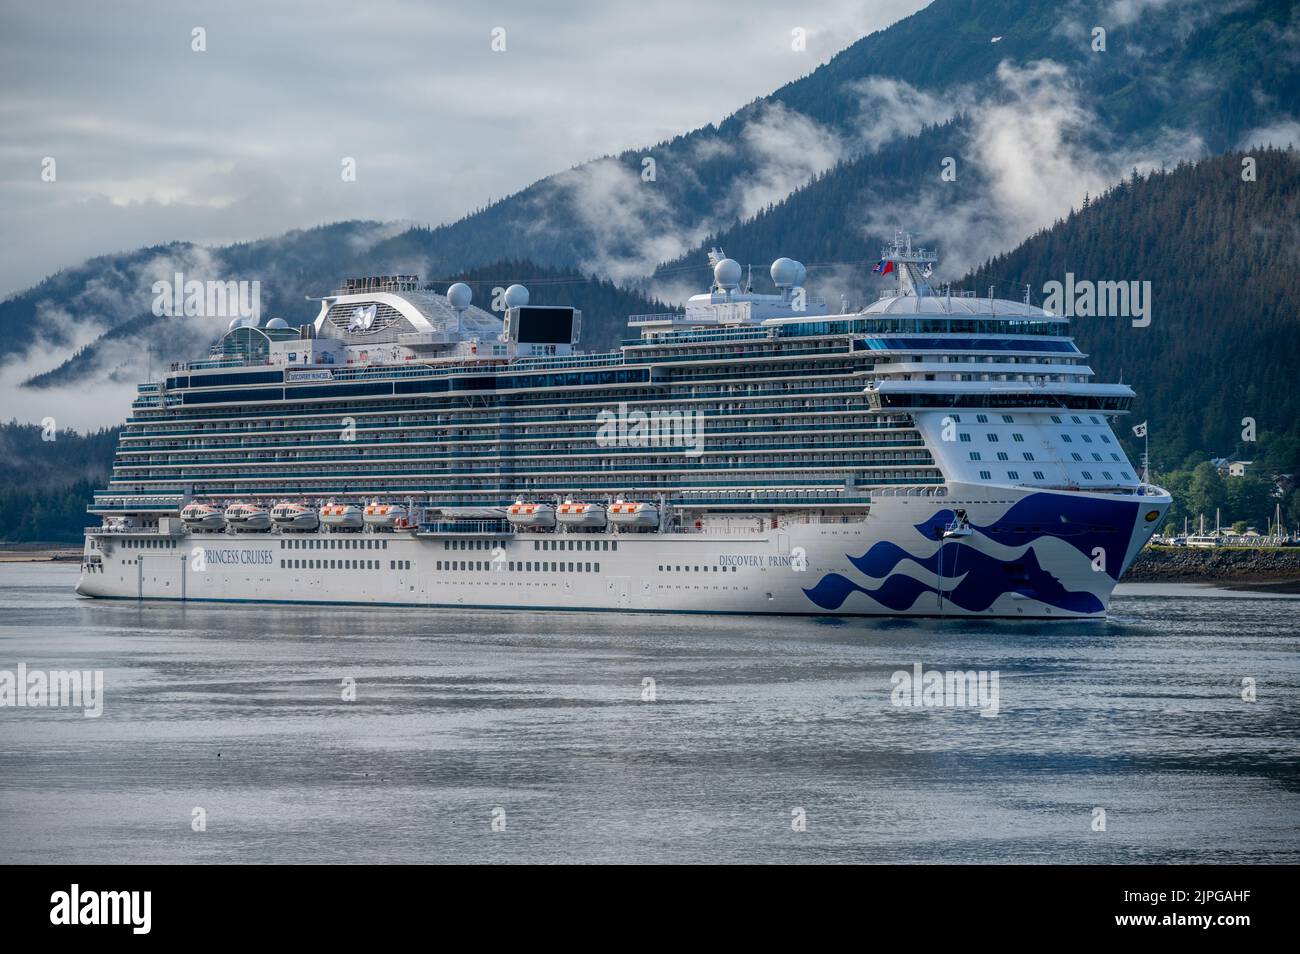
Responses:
[890,109]
[1284,132]
[1033,150]
[633,224]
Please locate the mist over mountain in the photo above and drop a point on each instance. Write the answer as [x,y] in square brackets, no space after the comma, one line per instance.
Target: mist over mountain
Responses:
[973,124]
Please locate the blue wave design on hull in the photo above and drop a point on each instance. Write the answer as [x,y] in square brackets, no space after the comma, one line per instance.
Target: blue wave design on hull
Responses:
[986,578]
[1082,522]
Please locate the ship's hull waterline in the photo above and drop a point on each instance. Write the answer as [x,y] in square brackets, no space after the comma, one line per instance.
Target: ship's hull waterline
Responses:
[1029,554]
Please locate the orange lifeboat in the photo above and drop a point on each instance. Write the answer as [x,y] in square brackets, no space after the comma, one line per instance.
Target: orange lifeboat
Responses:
[385,516]
[531,515]
[631,513]
[573,514]
[341,516]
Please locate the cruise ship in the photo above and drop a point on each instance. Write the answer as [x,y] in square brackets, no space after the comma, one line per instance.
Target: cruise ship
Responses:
[934,453]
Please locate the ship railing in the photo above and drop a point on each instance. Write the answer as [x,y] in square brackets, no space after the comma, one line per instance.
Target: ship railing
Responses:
[477,527]
[655,318]
[917,490]
[600,358]
[133,531]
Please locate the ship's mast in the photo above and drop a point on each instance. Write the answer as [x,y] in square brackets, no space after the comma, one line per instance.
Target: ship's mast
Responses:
[912,266]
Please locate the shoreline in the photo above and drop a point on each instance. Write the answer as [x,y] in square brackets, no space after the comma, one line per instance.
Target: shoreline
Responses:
[1269,569]
[20,553]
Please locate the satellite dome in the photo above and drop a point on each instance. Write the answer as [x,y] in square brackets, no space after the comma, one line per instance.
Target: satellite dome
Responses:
[234,323]
[786,272]
[516,296]
[727,273]
[459,296]
[277,323]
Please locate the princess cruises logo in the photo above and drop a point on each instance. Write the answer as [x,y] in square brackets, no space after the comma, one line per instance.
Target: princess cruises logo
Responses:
[363,318]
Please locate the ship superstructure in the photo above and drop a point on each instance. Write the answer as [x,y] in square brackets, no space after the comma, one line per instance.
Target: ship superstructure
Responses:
[933,452]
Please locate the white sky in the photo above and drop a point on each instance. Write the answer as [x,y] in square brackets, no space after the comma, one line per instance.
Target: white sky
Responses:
[156,142]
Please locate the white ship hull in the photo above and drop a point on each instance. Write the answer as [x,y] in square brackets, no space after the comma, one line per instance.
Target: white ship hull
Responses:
[1031,553]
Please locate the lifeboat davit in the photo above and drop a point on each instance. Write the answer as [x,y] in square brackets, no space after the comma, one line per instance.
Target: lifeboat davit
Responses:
[294,516]
[631,513]
[341,516]
[201,516]
[581,514]
[246,518]
[385,516]
[539,515]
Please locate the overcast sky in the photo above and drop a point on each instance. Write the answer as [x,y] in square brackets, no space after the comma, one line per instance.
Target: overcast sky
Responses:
[153,141]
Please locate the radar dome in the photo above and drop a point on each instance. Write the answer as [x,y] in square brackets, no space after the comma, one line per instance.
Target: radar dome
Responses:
[786,272]
[277,323]
[727,273]
[234,323]
[459,296]
[516,296]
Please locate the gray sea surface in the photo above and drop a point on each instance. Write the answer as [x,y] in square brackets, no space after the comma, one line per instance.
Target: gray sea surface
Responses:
[537,737]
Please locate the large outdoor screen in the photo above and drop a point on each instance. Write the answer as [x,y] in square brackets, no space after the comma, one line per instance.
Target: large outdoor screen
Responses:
[540,325]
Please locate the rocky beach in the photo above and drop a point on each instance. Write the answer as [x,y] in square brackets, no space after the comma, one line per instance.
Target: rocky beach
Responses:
[1228,566]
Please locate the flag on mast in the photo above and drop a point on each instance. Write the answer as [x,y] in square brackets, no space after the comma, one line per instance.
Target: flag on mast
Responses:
[1140,430]
[883,267]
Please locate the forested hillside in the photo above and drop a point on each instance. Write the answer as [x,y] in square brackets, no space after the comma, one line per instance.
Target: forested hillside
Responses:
[45,485]
[1223,259]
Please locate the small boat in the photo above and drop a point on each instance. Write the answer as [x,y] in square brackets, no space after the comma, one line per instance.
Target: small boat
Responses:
[246,518]
[341,516]
[201,516]
[532,515]
[580,514]
[294,516]
[630,513]
[385,516]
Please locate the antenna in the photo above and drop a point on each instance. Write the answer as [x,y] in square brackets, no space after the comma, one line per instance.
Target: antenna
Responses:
[459,296]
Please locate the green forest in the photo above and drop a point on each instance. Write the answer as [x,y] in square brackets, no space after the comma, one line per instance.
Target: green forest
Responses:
[45,485]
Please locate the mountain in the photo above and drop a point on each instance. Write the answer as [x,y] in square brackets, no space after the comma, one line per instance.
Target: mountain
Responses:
[1040,117]
[1013,92]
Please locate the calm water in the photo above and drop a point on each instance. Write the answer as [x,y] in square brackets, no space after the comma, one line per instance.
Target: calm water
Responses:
[540,720]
